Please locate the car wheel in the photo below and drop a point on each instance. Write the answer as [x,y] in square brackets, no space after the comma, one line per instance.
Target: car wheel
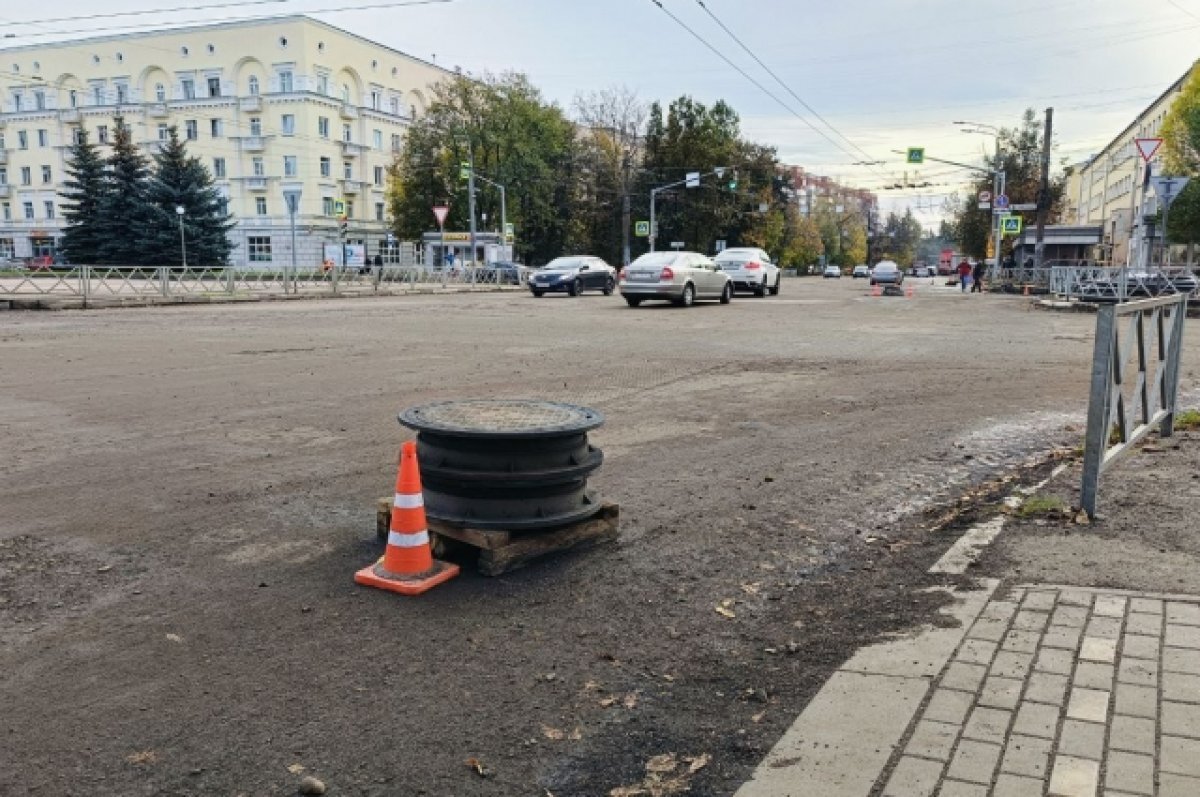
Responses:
[609,287]
[761,290]
[576,288]
[727,294]
[538,294]
[775,290]
[872,282]
[632,301]
[689,296]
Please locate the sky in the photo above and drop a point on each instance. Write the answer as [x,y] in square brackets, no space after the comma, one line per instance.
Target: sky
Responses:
[872,76]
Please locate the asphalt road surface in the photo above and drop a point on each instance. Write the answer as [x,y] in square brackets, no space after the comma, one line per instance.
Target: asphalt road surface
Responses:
[187,492]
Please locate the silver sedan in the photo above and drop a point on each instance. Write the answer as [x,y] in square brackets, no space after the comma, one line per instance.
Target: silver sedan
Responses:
[679,277]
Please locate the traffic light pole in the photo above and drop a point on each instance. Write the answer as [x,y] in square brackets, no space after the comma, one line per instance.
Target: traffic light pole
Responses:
[654,192]
[471,204]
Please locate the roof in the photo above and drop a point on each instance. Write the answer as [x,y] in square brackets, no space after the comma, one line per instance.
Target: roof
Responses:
[239,23]
[1123,136]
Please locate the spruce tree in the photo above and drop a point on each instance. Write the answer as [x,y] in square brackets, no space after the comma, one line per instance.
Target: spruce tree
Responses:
[83,193]
[183,181]
[124,214]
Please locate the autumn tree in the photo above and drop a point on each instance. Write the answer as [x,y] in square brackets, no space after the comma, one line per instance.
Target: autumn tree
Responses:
[1181,149]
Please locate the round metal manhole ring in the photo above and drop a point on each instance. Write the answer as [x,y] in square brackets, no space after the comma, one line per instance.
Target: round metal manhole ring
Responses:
[501,418]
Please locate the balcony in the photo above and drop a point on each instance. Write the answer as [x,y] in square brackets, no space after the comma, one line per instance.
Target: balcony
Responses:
[254,144]
[350,186]
[349,111]
[158,110]
[256,184]
[252,104]
[352,150]
[69,116]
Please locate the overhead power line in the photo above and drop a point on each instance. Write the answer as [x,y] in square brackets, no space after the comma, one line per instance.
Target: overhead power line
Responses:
[143,12]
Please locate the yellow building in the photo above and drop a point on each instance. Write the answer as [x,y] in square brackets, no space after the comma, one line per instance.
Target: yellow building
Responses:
[281,104]
[1106,190]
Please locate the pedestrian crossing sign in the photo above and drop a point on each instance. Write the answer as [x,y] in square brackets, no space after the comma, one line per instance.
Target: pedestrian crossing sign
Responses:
[1011,225]
[916,155]
[642,229]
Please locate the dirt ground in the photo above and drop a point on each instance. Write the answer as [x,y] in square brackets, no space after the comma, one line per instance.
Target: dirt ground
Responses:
[187,492]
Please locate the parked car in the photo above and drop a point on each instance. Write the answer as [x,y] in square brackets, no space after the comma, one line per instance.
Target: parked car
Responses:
[832,272]
[886,272]
[922,271]
[861,271]
[679,277]
[750,269]
[574,275]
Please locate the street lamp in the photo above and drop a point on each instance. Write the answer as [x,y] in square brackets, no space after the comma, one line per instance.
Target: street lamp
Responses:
[998,179]
[179,211]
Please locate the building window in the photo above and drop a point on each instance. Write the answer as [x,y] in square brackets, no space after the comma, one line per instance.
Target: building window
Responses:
[8,217]
[348,170]
[22,139]
[259,248]
[43,138]
[346,133]
[255,126]
[376,99]
[39,100]
[26,176]
[325,168]
[260,205]
[257,164]
[160,92]
[285,82]
[323,85]
[349,209]
[345,94]
[17,101]
[253,88]
[326,205]
[214,87]
[378,175]
[97,95]
[378,139]
[102,134]
[49,205]
[219,168]
[395,142]
[163,133]
[323,126]
[288,124]
[289,165]
[122,94]
[216,127]
[394,104]
[28,206]
[191,129]
[73,98]
[3,176]
[378,211]
[46,175]
[189,88]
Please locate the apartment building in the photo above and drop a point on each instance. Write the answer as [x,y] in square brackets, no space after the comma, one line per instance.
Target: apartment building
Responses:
[1106,189]
[814,190]
[271,106]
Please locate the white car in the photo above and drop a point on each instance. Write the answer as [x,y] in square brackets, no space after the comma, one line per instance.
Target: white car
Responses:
[679,277]
[750,269]
[832,272]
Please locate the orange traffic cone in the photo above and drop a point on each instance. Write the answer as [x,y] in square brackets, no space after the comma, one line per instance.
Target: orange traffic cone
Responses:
[909,292]
[407,565]
[876,290]
[1026,290]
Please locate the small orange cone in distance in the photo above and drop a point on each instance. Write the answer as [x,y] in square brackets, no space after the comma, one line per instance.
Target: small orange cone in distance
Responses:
[876,290]
[1026,290]
[909,292]
[407,565]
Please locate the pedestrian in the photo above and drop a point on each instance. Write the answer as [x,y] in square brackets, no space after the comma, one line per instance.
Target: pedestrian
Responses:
[964,275]
[977,278]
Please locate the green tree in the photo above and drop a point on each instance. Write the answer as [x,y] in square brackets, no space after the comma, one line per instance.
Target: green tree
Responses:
[1181,149]
[900,238]
[518,140]
[124,214]
[83,194]
[181,180]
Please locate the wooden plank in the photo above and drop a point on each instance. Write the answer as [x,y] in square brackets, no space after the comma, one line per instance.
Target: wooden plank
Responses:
[524,549]
[486,539]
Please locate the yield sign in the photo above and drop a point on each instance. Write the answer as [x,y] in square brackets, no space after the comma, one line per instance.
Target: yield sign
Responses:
[440,212]
[1148,146]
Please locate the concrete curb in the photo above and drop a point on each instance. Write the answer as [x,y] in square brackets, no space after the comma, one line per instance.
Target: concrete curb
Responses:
[51,302]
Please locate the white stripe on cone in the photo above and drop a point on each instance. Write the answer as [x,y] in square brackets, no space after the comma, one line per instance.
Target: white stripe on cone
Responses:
[414,540]
[405,501]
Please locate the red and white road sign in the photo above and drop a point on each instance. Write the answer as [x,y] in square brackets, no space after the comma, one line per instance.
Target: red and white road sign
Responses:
[1148,146]
[440,212]
[985,196]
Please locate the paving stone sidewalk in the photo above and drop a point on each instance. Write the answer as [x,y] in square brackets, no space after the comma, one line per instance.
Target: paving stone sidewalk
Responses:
[1044,691]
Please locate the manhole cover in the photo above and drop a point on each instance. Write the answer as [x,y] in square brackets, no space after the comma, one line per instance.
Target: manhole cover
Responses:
[501,418]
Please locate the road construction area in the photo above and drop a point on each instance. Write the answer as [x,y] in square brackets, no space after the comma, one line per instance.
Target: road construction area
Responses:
[187,492]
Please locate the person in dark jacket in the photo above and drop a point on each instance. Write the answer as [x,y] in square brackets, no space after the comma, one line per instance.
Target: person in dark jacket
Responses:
[977,284]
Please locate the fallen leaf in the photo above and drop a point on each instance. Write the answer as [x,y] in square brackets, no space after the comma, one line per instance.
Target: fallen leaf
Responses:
[608,701]
[758,717]
[552,733]
[103,568]
[296,769]
[592,686]
[144,757]
[721,610]
[662,763]
[631,700]
[576,735]
[751,589]
[477,765]
[174,638]
[699,762]
[629,791]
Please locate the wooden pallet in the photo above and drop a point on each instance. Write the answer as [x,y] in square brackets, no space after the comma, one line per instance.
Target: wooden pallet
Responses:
[498,552]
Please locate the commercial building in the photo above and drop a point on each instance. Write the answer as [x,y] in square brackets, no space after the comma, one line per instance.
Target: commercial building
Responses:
[274,105]
[1107,189]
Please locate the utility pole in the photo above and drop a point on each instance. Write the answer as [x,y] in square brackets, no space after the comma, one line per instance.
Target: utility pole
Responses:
[1043,198]
[471,203]
[625,211]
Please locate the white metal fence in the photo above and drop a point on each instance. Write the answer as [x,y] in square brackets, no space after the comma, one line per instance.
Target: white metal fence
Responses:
[1108,284]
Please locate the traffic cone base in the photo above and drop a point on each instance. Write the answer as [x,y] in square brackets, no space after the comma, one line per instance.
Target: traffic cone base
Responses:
[406,584]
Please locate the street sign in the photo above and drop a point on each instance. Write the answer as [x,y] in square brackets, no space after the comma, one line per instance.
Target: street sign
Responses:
[464,170]
[1147,147]
[391,238]
[1024,206]
[985,196]
[1167,188]
[440,212]
[720,247]
[1010,225]
[1002,201]
[641,229]
[916,155]
[677,244]
[693,179]
[510,229]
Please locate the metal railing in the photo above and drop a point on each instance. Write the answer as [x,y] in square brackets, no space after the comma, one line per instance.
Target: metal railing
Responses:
[115,282]
[1116,422]
[1121,284]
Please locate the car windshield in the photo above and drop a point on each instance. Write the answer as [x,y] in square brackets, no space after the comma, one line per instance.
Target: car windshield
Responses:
[655,259]
[885,267]
[562,263]
[737,256]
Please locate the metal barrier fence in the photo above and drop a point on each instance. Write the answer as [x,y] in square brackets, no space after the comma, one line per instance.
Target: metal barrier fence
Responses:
[1105,284]
[1155,332]
[95,282]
